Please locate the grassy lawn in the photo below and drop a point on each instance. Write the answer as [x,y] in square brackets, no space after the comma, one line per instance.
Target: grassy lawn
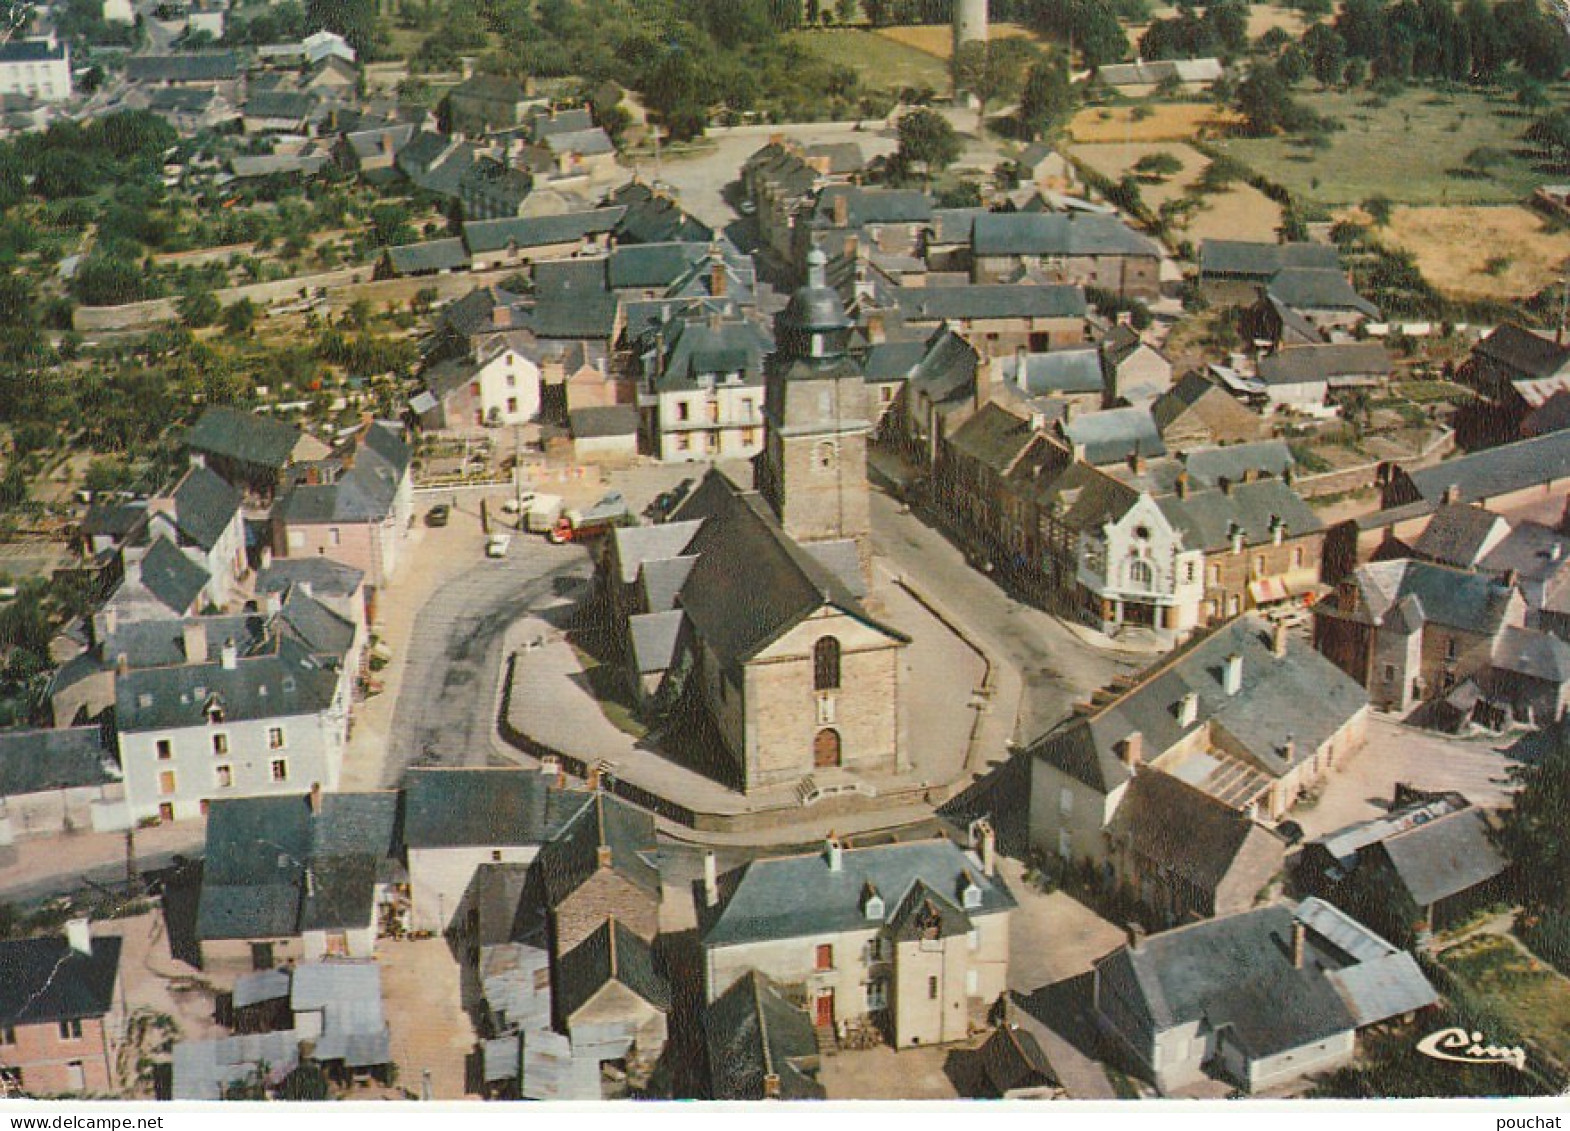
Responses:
[1429,392]
[937,40]
[1500,252]
[1406,149]
[1527,994]
[1149,121]
[1239,212]
[882,63]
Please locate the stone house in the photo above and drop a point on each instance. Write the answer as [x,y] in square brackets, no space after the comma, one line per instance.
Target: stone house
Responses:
[914,936]
[1258,999]
[1301,378]
[60,1013]
[1196,413]
[499,386]
[998,318]
[1068,247]
[484,103]
[1521,480]
[705,381]
[1243,715]
[1410,631]
[612,981]
[354,506]
[58,780]
[762,1046]
[1232,272]
[248,450]
[296,879]
[1516,371]
[1137,373]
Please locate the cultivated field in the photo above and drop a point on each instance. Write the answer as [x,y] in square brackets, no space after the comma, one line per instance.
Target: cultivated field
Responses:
[1240,212]
[1409,148]
[1163,121]
[881,62]
[1456,246]
[937,40]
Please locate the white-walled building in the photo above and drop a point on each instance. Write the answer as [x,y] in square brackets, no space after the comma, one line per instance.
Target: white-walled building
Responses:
[38,68]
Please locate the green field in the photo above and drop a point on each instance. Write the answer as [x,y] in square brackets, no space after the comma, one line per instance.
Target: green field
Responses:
[1529,995]
[881,63]
[1410,149]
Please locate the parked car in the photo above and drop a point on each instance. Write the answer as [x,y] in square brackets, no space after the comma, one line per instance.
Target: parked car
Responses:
[439,515]
[496,545]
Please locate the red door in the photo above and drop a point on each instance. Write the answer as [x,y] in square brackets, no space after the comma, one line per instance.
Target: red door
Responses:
[826,749]
[825,1012]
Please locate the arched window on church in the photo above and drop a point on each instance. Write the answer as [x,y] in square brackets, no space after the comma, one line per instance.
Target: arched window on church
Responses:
[826,664]
[1140,575]
[824,454]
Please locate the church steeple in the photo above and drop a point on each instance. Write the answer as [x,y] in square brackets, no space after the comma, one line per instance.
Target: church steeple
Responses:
[813,467]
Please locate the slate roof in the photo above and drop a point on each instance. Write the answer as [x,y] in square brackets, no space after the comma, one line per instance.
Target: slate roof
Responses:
[1301,694]
[282,682]
[1150,72]
[994,437]
[652,266]
[1445,856]
[753,1032]
[653,638]
[635,545]
[1012,1059]
[1208,518]
[1454,598]
[655,218]
[259,849]
[1498,471]
[185,67]
[1536,655]
[1523,352]
[279,104]
[600,421]
[697,349]
[660,581]
[1539,555]
[1188,833]
[30,51]
[589,142]
[325,577]
[992,300]
[489,88]
[1301,364]
[433,255]
[1260,261]
[751,582]
[472,808]
[43,980]
[1211,465]
[244,437]
[572,856]
[1115,434]
[1459,535]
[32,761]
[1065,371]
[613,953]
[170,576]
[1057,234]
[362,493]
[798,896]
[204,506]
[873,206]
[539,231]
[1318,288]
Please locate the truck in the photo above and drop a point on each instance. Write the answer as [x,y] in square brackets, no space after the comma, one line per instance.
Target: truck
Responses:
[582,525]
[537,514]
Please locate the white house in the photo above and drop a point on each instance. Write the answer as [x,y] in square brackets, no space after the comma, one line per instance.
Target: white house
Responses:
[272,721]
[914,935]
[1135,565]
[38,68]
[497,387]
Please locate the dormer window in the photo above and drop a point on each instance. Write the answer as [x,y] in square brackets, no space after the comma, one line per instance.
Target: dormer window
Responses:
[871,903]
[215,714]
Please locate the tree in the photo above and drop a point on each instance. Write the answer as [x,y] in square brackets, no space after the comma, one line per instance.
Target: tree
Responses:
[1534,834]
[1552,132]
[675,90]
[355,20]
[1265,101]
[993,71]
[199,308]
[1047,99]
[1378,209]
[1326,54]
[1158,166]
[239,317]
[926,138]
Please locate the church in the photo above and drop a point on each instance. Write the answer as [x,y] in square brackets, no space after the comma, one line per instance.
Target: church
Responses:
[752,606]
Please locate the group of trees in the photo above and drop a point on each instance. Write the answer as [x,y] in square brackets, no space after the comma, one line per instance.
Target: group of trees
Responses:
[1221,31]
[1473,42]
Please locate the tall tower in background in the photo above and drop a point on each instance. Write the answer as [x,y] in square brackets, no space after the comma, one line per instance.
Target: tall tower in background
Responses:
[970,26]
[970,22]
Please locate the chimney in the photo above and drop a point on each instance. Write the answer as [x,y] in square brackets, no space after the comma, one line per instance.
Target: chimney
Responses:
[1235,532]
[1250,474]
[194,638]
[593,780]
[1132,749]
[1188,709]
[387,143]
[1278,529]
[1022,367]
[79,936]
[1278,639]
[1288,749]
[711,880]
[1349,598]
[1232,675]
[1225,484]
[1556,551]
[316,797]
[272,602]
[313,476]
[602,856]
[841,206]
[771,1086]
[1509,579]
[853,248]
[1181,484]
[1452,494]
[230,655]
[1299,943]
[266,559]
[1136,937]
[122,664]
[985,841]
[1136,462]
[834,851]
[717,279]
[501,317]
